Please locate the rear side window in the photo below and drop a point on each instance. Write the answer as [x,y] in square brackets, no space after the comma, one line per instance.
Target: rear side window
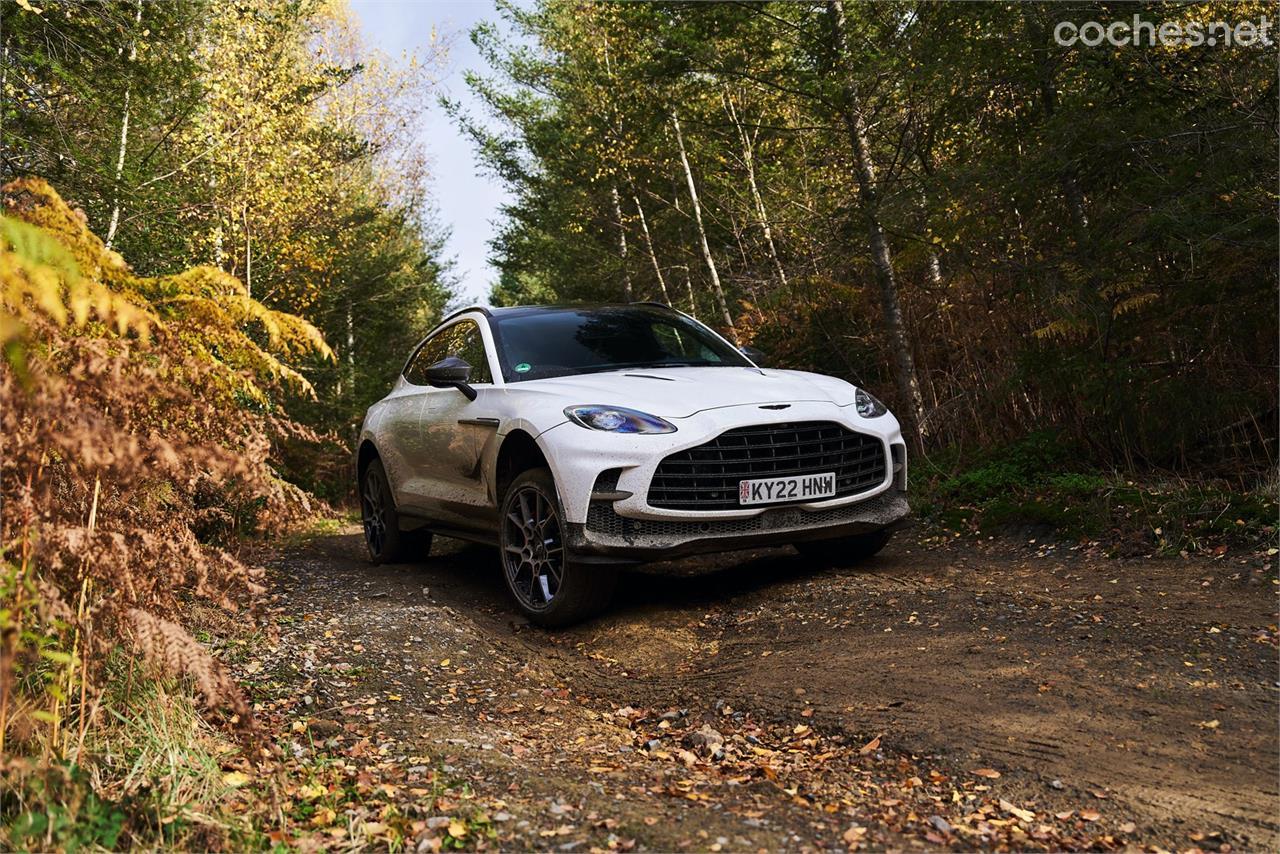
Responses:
[462,339]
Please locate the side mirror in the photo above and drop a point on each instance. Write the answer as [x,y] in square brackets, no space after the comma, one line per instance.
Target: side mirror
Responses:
[451,372]
[754,355]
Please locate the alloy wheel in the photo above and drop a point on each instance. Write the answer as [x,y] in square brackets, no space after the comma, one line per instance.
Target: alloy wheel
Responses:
[374,512]
[532,547]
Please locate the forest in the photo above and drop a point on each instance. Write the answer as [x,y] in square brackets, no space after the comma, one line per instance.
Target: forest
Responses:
[1002,235]
[1057,264]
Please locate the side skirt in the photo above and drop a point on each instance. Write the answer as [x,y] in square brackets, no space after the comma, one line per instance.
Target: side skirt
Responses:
[485,538]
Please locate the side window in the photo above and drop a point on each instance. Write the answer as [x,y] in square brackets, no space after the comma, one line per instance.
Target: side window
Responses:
[428,354]
[468,345]
[463,340]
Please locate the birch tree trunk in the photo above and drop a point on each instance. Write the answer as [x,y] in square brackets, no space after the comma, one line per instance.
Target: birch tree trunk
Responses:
[653,256]
[688,279]
[244,221]
[749,159]
[124,138]
[248,251]
[622,244]
[716,289]
[627,294]
[904,369]
[935,268]
[931,250]
[351,349]
[688,286]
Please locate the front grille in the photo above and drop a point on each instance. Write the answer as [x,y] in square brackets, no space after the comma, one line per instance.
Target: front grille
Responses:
[606,526]
[706,477]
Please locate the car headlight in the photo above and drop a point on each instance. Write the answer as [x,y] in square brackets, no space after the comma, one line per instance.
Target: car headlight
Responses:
[617,419]
[868,406]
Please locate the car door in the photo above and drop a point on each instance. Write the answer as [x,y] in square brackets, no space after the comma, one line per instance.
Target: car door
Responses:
[452,432]
[405,448]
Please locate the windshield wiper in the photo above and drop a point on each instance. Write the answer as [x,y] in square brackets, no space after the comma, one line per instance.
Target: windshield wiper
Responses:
[674,364]
[626,366]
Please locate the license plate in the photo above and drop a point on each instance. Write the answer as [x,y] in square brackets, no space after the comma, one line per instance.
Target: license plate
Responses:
[771,490]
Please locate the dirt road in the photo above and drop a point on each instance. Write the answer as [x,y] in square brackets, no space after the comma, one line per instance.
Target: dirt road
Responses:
[1021,696]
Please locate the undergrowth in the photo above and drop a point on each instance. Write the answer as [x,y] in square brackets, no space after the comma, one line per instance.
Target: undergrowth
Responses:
[1037,486]
[141,433]
[150,773]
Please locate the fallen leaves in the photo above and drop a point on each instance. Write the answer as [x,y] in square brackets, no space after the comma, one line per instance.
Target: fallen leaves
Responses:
[311,791]
[661,773]
[235,779]
[854,835]
[323,817]
[685,757]
[1025,815]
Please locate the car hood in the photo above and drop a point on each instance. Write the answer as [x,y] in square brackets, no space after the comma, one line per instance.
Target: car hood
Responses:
[682,392]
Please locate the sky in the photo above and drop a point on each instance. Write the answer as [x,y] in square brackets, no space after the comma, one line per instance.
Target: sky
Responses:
[467,199]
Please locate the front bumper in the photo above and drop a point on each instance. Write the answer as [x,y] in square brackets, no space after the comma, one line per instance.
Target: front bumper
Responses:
[624,527]
[607,537]
[578,457]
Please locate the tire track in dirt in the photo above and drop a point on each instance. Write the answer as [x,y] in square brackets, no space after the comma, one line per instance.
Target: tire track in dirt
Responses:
[1099,674]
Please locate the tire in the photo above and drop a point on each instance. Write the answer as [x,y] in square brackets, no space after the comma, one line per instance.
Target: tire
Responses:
[382,535]
[845,551]
[548,586]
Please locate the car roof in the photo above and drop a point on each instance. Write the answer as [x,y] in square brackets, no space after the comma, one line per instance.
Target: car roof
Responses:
[512,311]
[526,310]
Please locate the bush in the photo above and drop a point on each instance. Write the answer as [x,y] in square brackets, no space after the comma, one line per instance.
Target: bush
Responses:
[1039,485]
[140,424]
[1028,462]
[57,808]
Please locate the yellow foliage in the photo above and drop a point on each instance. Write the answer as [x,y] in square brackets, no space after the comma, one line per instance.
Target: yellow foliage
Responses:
[1134,303]
[52,266]
[1065,329]
[40,274]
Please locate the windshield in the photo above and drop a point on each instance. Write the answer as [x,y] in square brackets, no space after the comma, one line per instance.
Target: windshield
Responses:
[563,342]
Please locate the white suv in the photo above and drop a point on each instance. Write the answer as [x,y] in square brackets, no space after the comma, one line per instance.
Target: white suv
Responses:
[579,438]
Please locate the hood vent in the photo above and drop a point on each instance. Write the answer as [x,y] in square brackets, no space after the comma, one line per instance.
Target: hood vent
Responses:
[651,377]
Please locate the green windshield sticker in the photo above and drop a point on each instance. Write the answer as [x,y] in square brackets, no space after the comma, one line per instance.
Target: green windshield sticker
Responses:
[523,368]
